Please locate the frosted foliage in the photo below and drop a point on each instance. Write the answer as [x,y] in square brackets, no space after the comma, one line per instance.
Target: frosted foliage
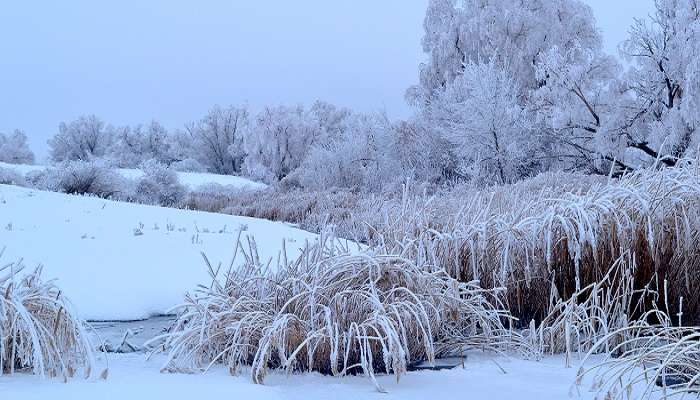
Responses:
[458,32]
[133,146]
[217,139]
[14,148]
[283,136]
[479,113]
[358,158]
[39,330]
[662,119]
[420,153]
[577,102]
[84,139]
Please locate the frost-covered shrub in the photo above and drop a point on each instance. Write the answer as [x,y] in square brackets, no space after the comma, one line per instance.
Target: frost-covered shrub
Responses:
[11,177]
[39,331]
[83,178]
[159,185]
[489,129]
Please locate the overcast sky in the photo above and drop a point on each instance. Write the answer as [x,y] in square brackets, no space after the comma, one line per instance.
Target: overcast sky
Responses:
[131,61]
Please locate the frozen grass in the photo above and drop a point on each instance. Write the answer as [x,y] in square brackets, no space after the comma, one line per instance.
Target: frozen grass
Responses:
[39,332]
[332,311]
[577,324]
[654,361]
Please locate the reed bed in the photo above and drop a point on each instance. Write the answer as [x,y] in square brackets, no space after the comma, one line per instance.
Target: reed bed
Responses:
[566,228]
[334,312]
[39,332]
[559,264]
[537,237]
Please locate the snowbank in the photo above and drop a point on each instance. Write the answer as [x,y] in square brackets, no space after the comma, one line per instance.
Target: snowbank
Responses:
[190,179]
[193,180]
[133,378]
[121,260]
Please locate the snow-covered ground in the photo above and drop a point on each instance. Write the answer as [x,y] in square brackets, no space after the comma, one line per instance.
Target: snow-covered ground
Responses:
[190,179]
[22,169]
[126,261]
[194,180]
[131,377]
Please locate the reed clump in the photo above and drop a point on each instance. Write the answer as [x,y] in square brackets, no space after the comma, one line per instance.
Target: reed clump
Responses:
[334,312]
[39,331]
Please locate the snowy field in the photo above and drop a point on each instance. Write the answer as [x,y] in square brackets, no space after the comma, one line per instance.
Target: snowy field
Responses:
[121,260]
[131,376]
[191,180]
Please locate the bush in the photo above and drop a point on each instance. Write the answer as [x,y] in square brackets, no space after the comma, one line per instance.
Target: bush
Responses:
[83,178]
[38,329]
[159,185]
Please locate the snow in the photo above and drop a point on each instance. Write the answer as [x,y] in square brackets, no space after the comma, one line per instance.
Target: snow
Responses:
[131,377]
[22,169]
[122,261]
[190,179]
[193,180]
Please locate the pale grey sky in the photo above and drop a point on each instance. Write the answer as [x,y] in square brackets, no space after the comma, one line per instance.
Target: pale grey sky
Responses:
[131,61]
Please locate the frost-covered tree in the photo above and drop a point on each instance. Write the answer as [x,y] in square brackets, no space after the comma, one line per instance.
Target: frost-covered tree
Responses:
[421,154]
[14,148]
[662,119]
[134,146]
[513,33]
[282,137]
[576,105]
[332,121]
[217,139]
[358,156]
[481,115]
[547,54]
[84,139]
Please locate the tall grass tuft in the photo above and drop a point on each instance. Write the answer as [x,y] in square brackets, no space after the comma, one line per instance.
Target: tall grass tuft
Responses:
[39,332]
[334,312]
[653,362]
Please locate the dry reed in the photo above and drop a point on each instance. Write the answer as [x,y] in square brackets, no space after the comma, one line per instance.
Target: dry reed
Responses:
[39,331]
[332,311]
